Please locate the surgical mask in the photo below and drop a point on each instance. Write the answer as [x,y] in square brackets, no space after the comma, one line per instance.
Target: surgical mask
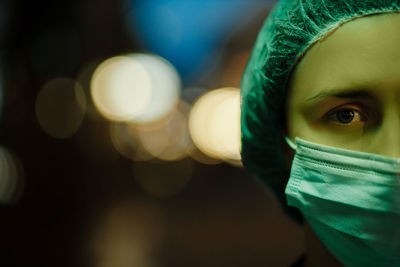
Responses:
[350,199]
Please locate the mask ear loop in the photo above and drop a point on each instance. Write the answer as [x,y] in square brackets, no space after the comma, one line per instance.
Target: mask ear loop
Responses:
[290,143]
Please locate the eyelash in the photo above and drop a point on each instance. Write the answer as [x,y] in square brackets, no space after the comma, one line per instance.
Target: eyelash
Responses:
[335,113]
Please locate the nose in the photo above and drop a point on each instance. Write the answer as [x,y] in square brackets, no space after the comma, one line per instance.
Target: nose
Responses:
[387,141]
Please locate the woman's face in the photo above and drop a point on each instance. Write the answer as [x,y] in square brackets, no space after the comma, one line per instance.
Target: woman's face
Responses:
[345,92]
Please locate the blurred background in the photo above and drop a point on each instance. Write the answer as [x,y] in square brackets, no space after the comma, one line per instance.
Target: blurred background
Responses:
[119,142]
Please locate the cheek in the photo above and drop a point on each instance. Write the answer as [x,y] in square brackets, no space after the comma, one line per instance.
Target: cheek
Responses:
[297,126]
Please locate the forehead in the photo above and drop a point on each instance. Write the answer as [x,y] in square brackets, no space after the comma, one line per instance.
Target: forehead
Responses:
[363,53]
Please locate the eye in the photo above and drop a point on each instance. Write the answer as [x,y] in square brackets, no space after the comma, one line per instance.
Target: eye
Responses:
[347,116]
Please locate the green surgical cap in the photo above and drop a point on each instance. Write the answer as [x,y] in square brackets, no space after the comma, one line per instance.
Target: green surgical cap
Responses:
[292,27]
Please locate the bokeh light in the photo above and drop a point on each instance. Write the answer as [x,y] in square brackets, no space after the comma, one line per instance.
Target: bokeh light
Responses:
[127,234]
[139,88]
[225,126]
[121,88]
[84,78]
[166,87]
[60,107]
[203,158]
[125,140]
[123,183]
[11,177]
[166,139]
[214,124]
[169,139]
[163,179]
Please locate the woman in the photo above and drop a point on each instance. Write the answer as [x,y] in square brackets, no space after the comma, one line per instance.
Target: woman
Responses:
[321,125]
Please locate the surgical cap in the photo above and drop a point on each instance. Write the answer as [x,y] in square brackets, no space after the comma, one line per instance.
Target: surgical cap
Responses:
[292,27]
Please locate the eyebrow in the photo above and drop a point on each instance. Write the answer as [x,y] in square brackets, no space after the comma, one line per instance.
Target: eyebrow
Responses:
[342,93]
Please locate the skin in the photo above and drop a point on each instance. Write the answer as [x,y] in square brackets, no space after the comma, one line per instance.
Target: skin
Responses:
[362,57]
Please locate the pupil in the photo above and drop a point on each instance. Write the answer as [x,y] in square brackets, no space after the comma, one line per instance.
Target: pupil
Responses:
[345,116]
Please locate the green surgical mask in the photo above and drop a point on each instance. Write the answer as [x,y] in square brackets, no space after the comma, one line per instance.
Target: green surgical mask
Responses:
[350,199]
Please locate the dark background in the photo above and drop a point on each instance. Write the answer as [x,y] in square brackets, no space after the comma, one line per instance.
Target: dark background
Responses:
[79,201]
